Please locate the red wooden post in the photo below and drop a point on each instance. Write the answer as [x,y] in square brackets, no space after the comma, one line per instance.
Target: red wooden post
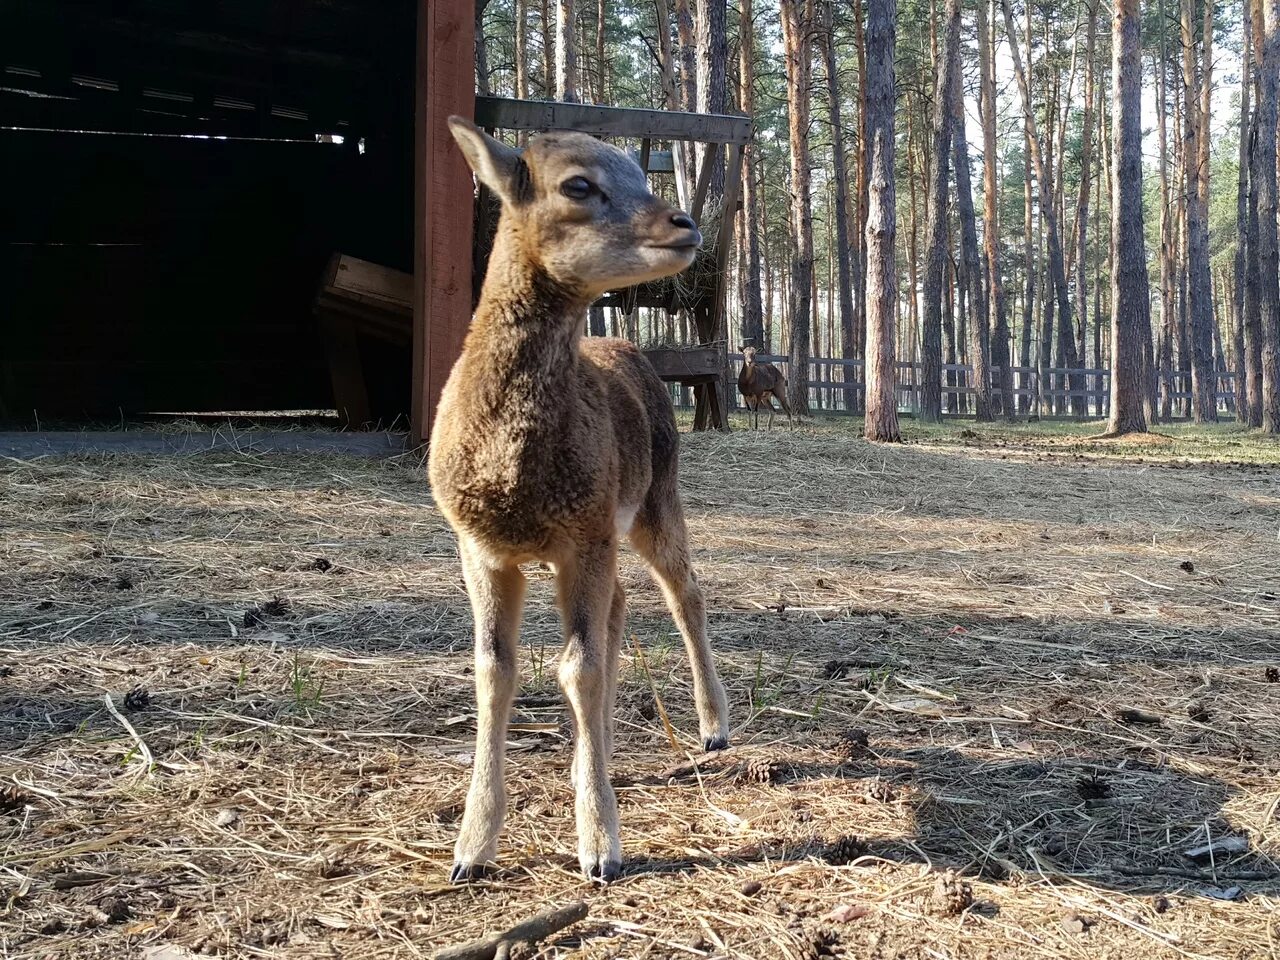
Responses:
[445,84]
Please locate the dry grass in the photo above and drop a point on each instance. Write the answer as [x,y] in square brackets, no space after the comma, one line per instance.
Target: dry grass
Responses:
[981,608]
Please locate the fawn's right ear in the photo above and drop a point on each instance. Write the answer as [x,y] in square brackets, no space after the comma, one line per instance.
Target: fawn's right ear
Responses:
[496,165]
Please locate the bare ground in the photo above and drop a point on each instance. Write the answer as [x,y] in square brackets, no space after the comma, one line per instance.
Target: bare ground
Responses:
[1043,663]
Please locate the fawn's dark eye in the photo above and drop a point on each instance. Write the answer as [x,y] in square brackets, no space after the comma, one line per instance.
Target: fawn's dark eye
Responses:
[577,188]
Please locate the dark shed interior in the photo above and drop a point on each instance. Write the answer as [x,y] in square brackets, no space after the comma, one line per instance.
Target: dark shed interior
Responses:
[174,188]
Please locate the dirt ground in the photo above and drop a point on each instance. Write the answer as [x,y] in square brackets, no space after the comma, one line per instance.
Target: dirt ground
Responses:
[989,689]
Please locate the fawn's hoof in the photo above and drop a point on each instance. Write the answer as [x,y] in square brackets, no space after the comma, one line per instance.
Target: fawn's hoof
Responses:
[467,872]
[718,742]
[604,872]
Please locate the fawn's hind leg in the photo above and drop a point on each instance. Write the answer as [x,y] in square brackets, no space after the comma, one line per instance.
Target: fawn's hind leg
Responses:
[586,668]
[497,595]
[659,535]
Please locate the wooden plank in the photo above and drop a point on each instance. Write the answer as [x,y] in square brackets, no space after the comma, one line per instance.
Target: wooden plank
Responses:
[442,201]
[709,158]
[346,370]
[686,364]
[372,280]
[504,113]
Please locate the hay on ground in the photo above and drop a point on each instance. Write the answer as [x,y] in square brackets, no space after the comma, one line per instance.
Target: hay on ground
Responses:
[985,698]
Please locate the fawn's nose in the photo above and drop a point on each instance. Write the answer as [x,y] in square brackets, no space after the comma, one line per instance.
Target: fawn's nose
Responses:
[683,221]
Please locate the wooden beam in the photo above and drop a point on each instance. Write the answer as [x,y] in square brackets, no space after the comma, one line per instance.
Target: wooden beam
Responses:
[503,113]
[444,84]
[709,158]
[725,239]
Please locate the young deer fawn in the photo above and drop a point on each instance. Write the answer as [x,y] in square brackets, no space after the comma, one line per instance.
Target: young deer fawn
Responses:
[550,447]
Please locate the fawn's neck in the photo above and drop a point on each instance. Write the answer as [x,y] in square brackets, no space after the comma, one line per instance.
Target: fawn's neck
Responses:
[523,347]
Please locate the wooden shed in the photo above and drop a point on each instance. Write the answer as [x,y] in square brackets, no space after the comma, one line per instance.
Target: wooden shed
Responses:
[178,174]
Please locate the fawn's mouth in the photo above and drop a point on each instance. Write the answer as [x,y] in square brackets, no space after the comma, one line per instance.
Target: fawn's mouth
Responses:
[679,247]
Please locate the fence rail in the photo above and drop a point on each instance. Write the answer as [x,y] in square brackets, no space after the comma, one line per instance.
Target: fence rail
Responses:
[828,387]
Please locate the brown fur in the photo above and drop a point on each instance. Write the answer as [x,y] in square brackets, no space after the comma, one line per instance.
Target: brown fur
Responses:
[550,447]
[758,382]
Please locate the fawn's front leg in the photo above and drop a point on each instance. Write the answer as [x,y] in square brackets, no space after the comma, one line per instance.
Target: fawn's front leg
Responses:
[586,586]
[496,590]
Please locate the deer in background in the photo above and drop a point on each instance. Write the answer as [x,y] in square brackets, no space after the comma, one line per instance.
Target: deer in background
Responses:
[550,447]
[759,382]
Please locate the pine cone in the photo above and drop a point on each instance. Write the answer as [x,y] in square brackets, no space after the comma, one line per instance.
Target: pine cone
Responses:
[1093,787]
[137,699]
[12,799]
[951,895]
[843,850]
[1272,675]
[852,744]
[762,770]
[821,942]
[881,791]
[836,669]
[521,950]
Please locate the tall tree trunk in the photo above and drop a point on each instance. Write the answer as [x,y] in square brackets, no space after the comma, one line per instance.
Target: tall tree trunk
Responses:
[1129,294]
[1078,403]
[1167,319]
[797,27]
[713,56]
[1264,168]
[979,320]
[602,74]
[712,59]
[482,53]
[1099,385]
[913,242]
[548,51]
[688,45]
[841,214]
[766,260]
[1184,319]
[688,56]
[1200,309]
[1048,215]
[566,53]
[666,56]
[936,251]
[1244,367]
[949,329]
[859,206]
[996,309]
[521,12]
[752,309]
[1028,382]
[1252,279]
[882,269]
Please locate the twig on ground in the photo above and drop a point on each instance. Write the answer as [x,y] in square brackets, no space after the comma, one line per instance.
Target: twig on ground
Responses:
[536,928]
[141,744]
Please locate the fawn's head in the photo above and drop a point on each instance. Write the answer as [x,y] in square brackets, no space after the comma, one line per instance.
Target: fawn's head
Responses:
[581,209]
[749,355]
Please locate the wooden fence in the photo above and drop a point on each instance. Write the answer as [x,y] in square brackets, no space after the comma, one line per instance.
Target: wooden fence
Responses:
[828,388]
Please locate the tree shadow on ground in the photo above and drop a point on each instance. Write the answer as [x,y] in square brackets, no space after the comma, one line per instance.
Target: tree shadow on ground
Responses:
[1124,826]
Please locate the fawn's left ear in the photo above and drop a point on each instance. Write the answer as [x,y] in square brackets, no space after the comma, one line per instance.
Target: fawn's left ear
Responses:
[496,165]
